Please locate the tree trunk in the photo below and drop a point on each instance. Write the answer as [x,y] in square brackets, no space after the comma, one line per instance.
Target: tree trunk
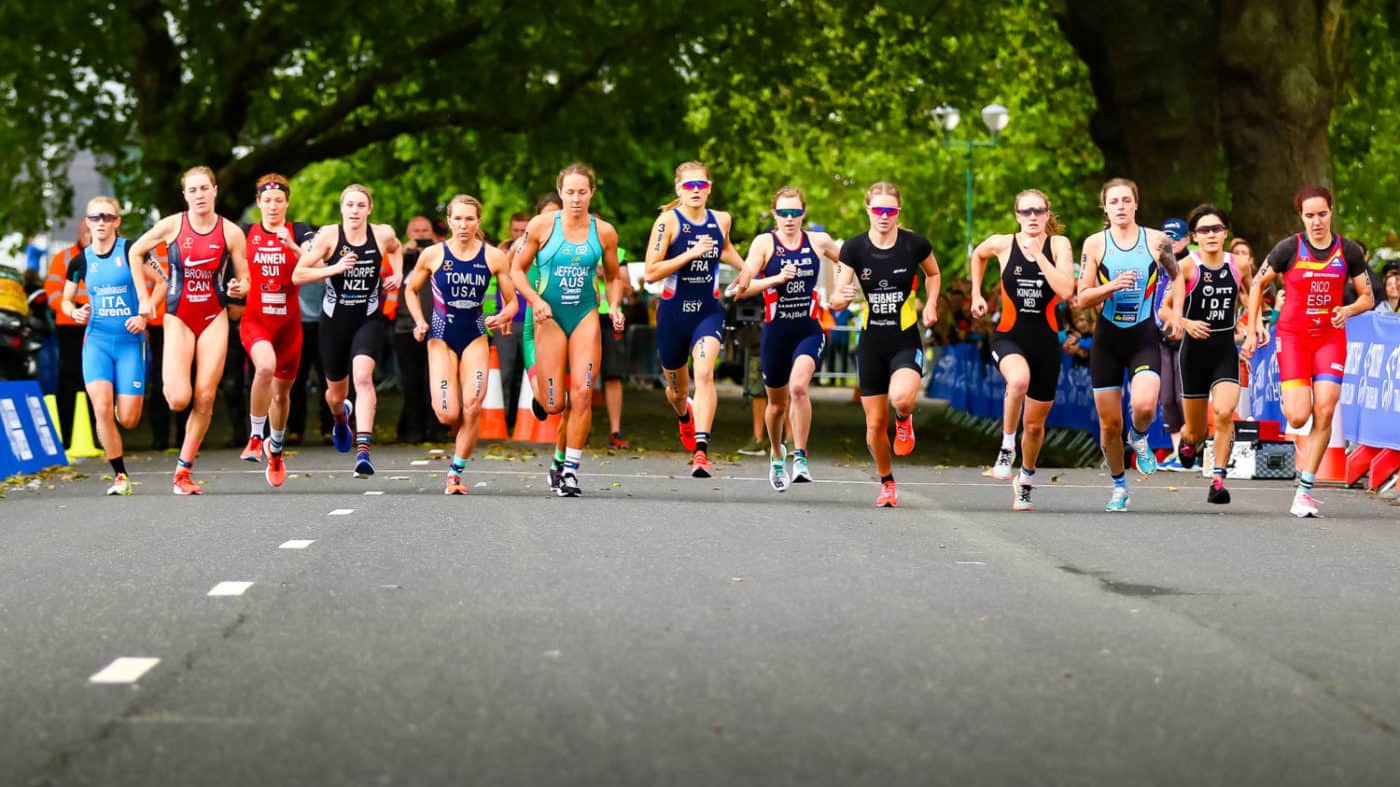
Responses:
[1153,69]
[1278,78]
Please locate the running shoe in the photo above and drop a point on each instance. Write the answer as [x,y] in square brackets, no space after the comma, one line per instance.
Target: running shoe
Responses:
[555,473]
[777,471]
[454,485]
[341,435]
[1020,495]
[801,474]
[184,485]
[617,442]
[1118,501]
[904,436]
[754,447]
[121,485]
[363,467]
[1002,470]
[687,427]
[1172,464]
[537,410]
[276,470]
[568,485]
[889,496]
[700,465]
[1188,454]
[1304,507]
[1218,494]
[253,452]
[1146,460]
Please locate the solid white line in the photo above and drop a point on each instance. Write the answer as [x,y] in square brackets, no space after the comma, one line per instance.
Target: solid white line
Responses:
[373,492]
[342,512]
[969,563]
[230,588]
[680,475]
[297,543]
[420,462]
[127,669]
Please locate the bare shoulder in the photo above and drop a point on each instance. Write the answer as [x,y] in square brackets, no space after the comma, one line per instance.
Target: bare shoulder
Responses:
[231,229]
[607,233]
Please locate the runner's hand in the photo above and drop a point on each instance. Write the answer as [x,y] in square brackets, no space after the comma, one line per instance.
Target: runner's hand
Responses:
[82,313]
[392,282]
[619,320]
[1197,329]
[1339,317]
[930,313]
[420,330]
[1174,328]
[788,273]
[238,289]
[135,324]
[1125,280]
[702,247]
[543,312]
[979,304]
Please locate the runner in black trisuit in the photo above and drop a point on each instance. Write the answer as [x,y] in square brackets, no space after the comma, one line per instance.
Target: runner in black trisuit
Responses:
[889,360]
[1037,274]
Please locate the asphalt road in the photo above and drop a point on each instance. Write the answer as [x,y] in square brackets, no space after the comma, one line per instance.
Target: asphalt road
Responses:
[668,630]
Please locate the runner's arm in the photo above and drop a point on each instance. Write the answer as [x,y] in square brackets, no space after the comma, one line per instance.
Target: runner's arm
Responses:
[312,267]
[1060,270]
[658,267]
[933,282]
[991,248]
[612,273]
[427,264]
[746,285]
[499,263]
[163,232]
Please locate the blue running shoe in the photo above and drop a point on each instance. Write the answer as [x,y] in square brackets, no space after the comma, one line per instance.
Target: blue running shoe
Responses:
[1146,460]
[1118,501]
[363,467]
[341,435]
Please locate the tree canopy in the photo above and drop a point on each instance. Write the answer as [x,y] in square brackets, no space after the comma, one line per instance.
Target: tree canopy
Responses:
[426,98]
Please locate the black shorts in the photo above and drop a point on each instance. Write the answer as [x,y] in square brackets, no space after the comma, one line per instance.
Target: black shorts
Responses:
[1042,354]
[343,339]
[1205,362]
[614,353]
[878,358]
[1115,350]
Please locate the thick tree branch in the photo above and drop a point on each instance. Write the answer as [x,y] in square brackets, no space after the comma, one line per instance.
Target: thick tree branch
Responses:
[367,82]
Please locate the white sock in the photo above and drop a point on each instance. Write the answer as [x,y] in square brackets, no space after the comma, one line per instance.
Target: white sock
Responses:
[258,424]
[571,459]
[277,438]
[1008,442]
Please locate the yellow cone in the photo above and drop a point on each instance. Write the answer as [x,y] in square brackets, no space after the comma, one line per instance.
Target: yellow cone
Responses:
[82,431]
[51,402]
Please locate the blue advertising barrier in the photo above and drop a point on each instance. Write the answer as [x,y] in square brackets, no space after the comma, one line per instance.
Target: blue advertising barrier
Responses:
[1370,403]
[31,443]
[976,386]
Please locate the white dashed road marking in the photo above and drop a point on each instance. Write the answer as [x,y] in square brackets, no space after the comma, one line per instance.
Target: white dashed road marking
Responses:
[342,512]
[373,492]
[297,543]
[230,588]
[127,669]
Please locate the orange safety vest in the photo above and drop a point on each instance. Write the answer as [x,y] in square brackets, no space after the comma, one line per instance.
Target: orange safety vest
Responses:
[53,285]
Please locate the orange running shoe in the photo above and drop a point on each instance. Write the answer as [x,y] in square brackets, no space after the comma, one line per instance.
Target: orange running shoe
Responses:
[454,485]
[184,485]
[254,451]
[889,496]
[688,426]
[904,436]
[276,471]
[700,465]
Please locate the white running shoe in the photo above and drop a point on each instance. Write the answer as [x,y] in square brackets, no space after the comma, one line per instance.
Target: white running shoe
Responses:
[1304,507]
[1020,495]
[801,473]
[1001,471]
[121,485]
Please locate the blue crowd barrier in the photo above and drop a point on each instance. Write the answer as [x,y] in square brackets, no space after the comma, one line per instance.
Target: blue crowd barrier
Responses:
[31,442]
[1370,403]
[976,386]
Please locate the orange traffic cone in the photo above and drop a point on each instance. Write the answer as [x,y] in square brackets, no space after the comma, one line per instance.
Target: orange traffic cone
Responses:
[525,421]
[493,409]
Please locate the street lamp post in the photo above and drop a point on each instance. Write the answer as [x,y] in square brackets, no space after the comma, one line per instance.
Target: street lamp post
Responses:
[995,117]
